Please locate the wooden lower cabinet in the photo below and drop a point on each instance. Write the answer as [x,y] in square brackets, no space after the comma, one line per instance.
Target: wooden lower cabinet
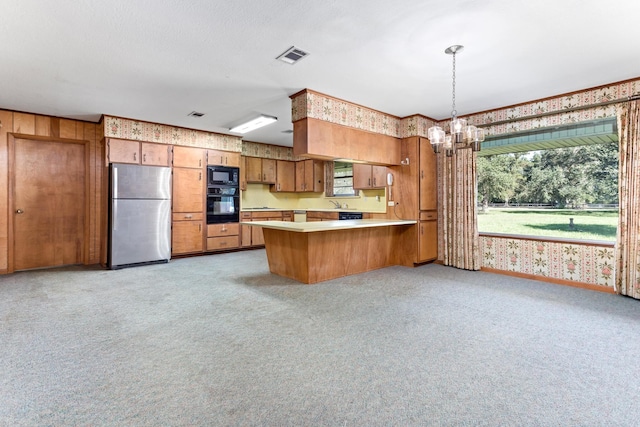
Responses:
[187,235]
[223,236]
[428,236]
[321,216]
[253,236]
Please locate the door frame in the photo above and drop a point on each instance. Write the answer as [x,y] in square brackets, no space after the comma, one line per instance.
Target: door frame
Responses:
[11,172]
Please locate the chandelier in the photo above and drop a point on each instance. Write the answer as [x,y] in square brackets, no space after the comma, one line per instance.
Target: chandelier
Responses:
[460,134]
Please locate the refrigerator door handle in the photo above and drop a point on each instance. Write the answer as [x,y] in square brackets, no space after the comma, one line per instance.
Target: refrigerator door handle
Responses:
[114,219]
[115,182]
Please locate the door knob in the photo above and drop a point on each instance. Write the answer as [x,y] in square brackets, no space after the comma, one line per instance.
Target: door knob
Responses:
[19,211]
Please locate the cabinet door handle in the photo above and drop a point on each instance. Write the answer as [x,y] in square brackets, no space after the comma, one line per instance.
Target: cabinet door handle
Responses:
[278,186]
[200,163]
[421,174]
[264,176]
[144,157]
[422,230]
[200,176]
[134,156]
[188,216]
[374,182]
[199,227]
[369,183]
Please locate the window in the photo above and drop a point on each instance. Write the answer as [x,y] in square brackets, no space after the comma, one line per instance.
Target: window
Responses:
[565,192]
[343,179]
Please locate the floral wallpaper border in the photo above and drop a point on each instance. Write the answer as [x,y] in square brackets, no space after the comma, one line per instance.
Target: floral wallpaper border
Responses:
[117,127]
[590,264]
[308,103]
[268,151]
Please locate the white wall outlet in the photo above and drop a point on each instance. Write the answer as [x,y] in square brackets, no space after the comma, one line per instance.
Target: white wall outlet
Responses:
[390,203]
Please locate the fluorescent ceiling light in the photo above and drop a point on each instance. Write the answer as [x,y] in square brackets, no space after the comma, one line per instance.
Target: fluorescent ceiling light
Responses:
[253,124]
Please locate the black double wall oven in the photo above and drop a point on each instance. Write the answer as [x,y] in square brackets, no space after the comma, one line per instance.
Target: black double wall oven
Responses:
[223,194]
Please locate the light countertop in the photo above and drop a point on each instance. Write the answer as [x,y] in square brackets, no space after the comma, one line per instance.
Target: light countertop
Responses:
[309,227]
[308,210]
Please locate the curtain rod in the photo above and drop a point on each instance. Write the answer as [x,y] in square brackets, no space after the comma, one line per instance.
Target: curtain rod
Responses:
[569,110]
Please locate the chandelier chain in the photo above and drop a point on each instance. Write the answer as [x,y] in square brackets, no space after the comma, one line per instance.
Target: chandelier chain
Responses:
[454,113]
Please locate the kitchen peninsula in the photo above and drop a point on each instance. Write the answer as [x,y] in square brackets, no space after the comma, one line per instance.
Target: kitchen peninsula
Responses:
[311,252]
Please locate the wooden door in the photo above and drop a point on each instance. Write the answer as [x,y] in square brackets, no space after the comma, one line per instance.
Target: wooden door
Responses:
[428,241]
[186,237]
[269,171]
[123,151]
[155,154]
[428,176]
[187,157]
[379,176]
[318,176]
[285,176]
[48,203]
[300,178]
[253,169]
[188,190]
[361,176]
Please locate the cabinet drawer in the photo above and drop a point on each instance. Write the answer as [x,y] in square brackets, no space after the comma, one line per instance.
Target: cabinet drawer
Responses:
[245,216]
[266,216]
[188,216]
[220,230]
[428,215]
[218,243]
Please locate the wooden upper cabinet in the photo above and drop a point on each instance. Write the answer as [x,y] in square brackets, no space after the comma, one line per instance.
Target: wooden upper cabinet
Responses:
[260,170]
[123,151]
[138,153]
[243,173]
[155,154]
[285,176]
[269,171]
[428,176]
[310,176]
[224,158]
[369,176]
[188,190]
[253,166]
[378,176]
[188,157]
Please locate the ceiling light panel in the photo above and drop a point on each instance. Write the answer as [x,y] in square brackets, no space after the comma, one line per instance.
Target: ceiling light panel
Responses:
[253,124]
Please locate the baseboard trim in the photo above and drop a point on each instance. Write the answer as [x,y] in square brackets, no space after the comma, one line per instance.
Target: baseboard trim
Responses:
[550,280]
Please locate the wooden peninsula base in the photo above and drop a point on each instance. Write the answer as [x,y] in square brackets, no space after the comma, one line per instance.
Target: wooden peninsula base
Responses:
[311,252]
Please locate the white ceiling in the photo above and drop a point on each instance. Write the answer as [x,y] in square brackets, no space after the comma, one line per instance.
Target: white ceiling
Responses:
[159,60]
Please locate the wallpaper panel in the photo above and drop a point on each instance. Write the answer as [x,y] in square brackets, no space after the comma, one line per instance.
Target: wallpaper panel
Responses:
[323,107]
[116,127]
[268,151]
[591,264]
[319,106]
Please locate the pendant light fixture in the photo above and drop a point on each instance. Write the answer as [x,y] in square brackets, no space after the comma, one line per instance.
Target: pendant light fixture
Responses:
[461,135]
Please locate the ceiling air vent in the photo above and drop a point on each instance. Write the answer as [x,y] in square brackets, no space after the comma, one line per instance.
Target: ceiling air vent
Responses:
[292,55]
[287,131]
[195,114]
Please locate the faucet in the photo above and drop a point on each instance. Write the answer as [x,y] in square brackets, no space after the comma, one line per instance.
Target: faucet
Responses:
[335,204]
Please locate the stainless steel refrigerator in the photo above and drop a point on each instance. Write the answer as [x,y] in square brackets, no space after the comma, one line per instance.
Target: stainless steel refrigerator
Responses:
[139,215]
